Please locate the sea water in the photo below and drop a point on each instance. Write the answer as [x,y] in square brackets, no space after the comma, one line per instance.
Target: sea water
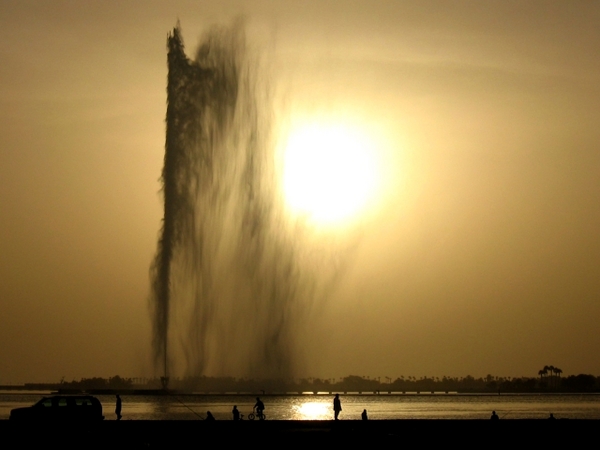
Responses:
[320,407]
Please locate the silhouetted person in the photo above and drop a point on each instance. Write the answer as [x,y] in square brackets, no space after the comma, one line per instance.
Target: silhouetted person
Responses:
[236,413]
[551,417]
[337,406]
[260,407]
[364,416]
[118,408]
[494,416]
[209,416]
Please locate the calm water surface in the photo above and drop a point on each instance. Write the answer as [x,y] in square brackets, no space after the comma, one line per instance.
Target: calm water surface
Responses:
[319,407]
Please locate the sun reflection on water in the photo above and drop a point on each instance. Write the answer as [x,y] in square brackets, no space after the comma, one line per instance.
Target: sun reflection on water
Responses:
[312,411]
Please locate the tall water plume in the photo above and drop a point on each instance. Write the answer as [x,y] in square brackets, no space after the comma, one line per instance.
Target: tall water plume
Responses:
[228,288]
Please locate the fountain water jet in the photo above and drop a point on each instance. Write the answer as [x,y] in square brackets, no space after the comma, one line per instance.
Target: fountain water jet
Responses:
[229,290]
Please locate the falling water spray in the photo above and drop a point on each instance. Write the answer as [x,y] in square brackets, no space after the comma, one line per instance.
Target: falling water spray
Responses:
[229,286]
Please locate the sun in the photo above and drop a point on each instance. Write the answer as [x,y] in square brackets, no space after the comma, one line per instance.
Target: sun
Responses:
[330,172]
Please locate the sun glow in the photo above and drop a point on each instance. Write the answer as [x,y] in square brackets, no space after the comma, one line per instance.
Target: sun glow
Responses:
[312,411]
[330,172]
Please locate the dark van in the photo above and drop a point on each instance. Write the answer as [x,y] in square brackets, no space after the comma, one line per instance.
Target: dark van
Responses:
[61,407]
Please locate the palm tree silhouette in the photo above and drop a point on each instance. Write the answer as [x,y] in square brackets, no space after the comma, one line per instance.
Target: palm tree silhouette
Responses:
[546,370]
[557,371]
[551,370]
[541,373]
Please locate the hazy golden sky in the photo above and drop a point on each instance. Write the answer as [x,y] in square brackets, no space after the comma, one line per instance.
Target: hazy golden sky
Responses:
[483,255]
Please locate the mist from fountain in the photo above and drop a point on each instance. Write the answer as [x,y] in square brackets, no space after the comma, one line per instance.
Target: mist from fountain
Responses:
[231,284]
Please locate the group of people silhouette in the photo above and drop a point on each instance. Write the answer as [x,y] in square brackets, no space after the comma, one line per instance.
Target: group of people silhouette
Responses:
[496,417]
[337,408]
[259,408]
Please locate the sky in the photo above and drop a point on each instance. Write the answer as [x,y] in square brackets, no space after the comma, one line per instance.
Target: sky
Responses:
[480,253]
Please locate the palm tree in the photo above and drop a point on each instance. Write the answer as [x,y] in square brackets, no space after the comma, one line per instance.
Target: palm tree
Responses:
[541,373]
[558,371]
[551,370]
[546,370]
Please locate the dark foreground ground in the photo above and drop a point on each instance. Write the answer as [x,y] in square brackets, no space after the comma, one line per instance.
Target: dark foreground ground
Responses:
[197,434]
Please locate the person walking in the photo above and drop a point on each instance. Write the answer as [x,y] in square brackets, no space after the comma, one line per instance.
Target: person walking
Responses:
[118,407]
[337,406]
